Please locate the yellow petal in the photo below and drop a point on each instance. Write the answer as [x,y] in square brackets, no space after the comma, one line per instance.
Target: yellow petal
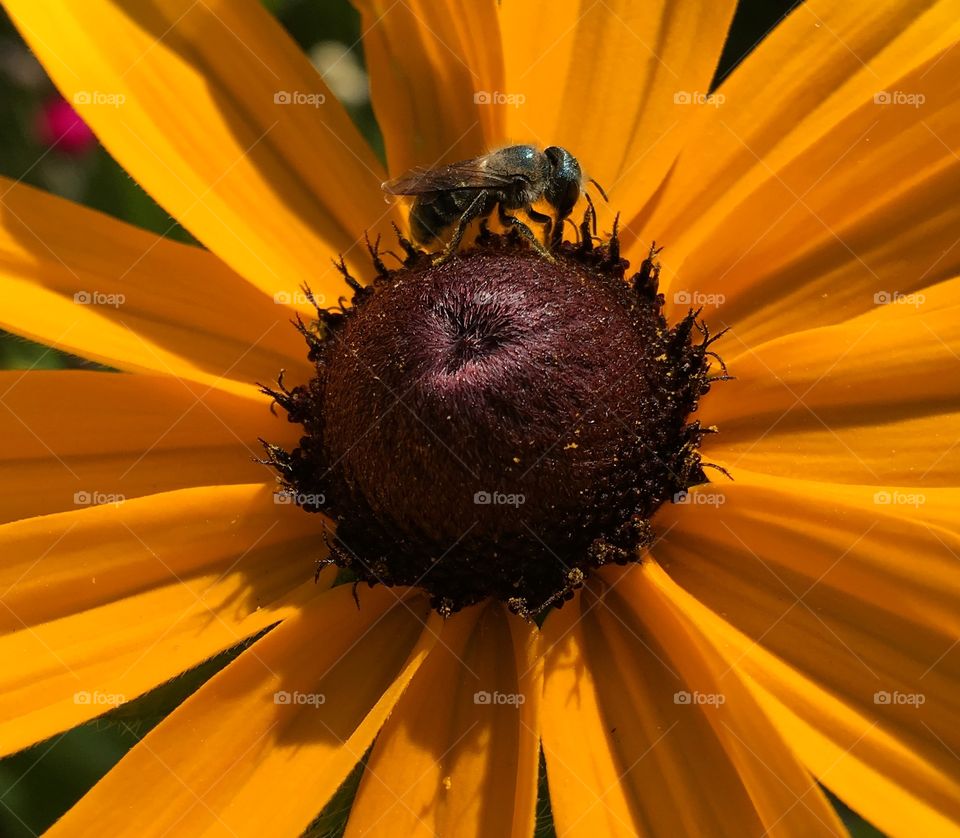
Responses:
[799,201]
[115,599]
[609,82]
[79,281]
[459,754]
[929,299]
[57,565]
[75,439]
[645,732]
[427,60]
[214,110]
[63,672]
[876,400]
[844,603]
[286,721]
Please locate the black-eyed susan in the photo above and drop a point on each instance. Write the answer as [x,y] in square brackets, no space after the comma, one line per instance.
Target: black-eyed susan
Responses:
[792,628]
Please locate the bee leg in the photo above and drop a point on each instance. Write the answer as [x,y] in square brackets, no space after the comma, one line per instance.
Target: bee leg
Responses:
[562,216]
[545,220]
[481,205]
[512,221]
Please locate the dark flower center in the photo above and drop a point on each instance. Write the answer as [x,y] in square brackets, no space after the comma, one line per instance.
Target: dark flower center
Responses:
[497,425]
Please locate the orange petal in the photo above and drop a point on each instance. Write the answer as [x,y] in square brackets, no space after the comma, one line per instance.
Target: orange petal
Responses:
[427,60]
[459,754]
[65,671]
[876,400]
[214,110]
[112,600]
[799,201]
[82,282]
[78,437]
[608,81]
[286,721]
[57,565]
[844,600]
[646,733]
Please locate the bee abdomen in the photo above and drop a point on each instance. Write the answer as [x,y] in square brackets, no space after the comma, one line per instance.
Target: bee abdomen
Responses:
[431,215]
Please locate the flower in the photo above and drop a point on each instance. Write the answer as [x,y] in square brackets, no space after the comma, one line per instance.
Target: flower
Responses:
[58,126]
[795,627]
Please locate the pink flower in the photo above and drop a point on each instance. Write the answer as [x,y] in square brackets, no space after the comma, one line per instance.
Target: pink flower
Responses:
[60,126]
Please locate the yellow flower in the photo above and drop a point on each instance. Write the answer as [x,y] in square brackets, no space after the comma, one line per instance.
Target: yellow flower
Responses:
[798,626]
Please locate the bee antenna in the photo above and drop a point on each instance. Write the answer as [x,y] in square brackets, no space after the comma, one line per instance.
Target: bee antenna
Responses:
[599,189]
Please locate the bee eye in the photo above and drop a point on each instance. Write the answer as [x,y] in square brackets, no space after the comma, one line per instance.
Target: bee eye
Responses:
[563,193]
[553,155]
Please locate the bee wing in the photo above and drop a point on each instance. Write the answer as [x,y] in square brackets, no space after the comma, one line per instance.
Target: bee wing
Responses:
[468,174]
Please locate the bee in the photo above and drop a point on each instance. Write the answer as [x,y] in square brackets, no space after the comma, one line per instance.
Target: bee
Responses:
[513,178]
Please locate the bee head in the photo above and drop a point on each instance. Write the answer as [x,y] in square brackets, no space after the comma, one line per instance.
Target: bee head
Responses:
[563,183]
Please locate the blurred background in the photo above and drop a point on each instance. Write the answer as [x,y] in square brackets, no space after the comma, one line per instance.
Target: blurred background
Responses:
[43,143]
